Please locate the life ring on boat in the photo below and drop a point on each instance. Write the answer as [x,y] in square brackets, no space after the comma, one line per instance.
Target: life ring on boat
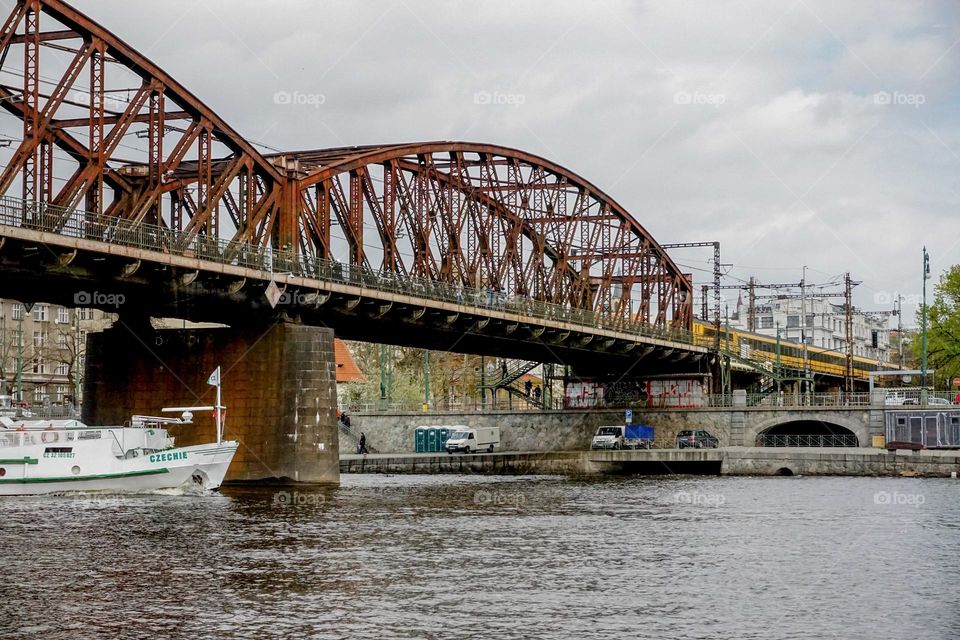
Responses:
[49,435]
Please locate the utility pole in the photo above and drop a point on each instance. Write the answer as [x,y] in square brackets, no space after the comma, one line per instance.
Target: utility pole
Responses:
[848,304]
[900,330]
[923,331]
[752,307]
[727,382]
[803,328]
[777,368]
[716,283]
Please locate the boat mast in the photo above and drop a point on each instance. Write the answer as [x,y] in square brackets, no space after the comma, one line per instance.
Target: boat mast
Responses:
[218,409]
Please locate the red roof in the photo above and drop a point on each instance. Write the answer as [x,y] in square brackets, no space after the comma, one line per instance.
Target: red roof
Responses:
[347,369]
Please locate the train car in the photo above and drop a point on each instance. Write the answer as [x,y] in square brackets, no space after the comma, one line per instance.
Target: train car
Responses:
[762,349]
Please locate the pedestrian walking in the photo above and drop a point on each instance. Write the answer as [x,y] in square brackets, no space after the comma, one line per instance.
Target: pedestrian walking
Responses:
[537,392]
[362,449]
[527,386]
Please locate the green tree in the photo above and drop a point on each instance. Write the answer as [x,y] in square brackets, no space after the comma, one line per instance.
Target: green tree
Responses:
[943,328]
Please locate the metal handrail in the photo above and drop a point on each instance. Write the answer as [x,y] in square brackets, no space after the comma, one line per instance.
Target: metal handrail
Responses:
[825,440]
[75,223]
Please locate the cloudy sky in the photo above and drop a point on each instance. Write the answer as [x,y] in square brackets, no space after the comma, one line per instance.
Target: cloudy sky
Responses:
[816,133]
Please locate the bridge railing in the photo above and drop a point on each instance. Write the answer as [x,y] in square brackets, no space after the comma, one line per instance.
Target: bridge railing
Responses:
[80,224]
[809,400]
[469,406]
[826,440]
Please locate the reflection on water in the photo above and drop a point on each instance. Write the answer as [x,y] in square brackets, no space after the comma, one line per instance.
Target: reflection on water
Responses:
[447,556]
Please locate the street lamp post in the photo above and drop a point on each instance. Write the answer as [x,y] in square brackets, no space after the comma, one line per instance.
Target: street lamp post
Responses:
[426,380]
[20,355]
[923,329]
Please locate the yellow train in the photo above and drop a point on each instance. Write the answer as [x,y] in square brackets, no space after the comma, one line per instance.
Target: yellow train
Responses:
[758,348]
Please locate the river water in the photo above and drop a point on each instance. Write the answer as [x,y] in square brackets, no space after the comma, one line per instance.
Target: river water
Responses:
[481,557]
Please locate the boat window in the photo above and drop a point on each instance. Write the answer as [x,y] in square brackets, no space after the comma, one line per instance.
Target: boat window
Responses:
[89,435]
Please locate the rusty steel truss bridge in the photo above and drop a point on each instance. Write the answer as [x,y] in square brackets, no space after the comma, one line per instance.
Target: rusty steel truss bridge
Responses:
[120,189]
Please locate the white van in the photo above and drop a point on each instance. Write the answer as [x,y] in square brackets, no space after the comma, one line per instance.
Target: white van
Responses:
[468,439]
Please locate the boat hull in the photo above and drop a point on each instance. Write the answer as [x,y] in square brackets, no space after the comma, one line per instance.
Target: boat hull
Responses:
[34,470]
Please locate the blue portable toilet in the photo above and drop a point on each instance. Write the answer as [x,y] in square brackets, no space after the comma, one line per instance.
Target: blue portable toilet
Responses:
[444,436]
[420,440]
[432,440]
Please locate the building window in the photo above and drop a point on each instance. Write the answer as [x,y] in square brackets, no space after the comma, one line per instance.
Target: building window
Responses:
[62,341]
[38,366]
[39,338]
[61,392]
[810,319]
[793,322]
[63,369]
[766,322]
[63,316]
[40,393]
[17,311]
[41,313]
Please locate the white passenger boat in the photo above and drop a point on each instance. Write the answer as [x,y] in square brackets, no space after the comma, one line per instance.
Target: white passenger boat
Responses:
[62,456]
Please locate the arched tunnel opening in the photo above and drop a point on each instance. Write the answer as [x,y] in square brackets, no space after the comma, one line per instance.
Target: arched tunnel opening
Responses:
[807,433]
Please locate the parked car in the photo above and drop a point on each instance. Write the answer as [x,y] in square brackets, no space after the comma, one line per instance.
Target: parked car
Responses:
[629,436]
[698,439]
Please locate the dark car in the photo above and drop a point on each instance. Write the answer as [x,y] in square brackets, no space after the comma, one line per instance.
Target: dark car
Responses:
[697,440]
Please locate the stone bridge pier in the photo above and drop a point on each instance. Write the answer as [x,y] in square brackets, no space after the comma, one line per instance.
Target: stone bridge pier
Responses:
[278,384]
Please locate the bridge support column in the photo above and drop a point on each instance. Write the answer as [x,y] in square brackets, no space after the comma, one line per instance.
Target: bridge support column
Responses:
[279,387]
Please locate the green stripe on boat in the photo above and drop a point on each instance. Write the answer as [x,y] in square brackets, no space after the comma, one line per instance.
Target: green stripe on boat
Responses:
[19,461]
[101,476]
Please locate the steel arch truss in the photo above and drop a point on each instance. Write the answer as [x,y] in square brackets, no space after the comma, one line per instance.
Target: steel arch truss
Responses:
[105,130]
[487,217]
[102,129]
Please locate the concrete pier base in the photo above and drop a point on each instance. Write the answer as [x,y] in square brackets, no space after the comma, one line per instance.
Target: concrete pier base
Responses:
[279,387]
